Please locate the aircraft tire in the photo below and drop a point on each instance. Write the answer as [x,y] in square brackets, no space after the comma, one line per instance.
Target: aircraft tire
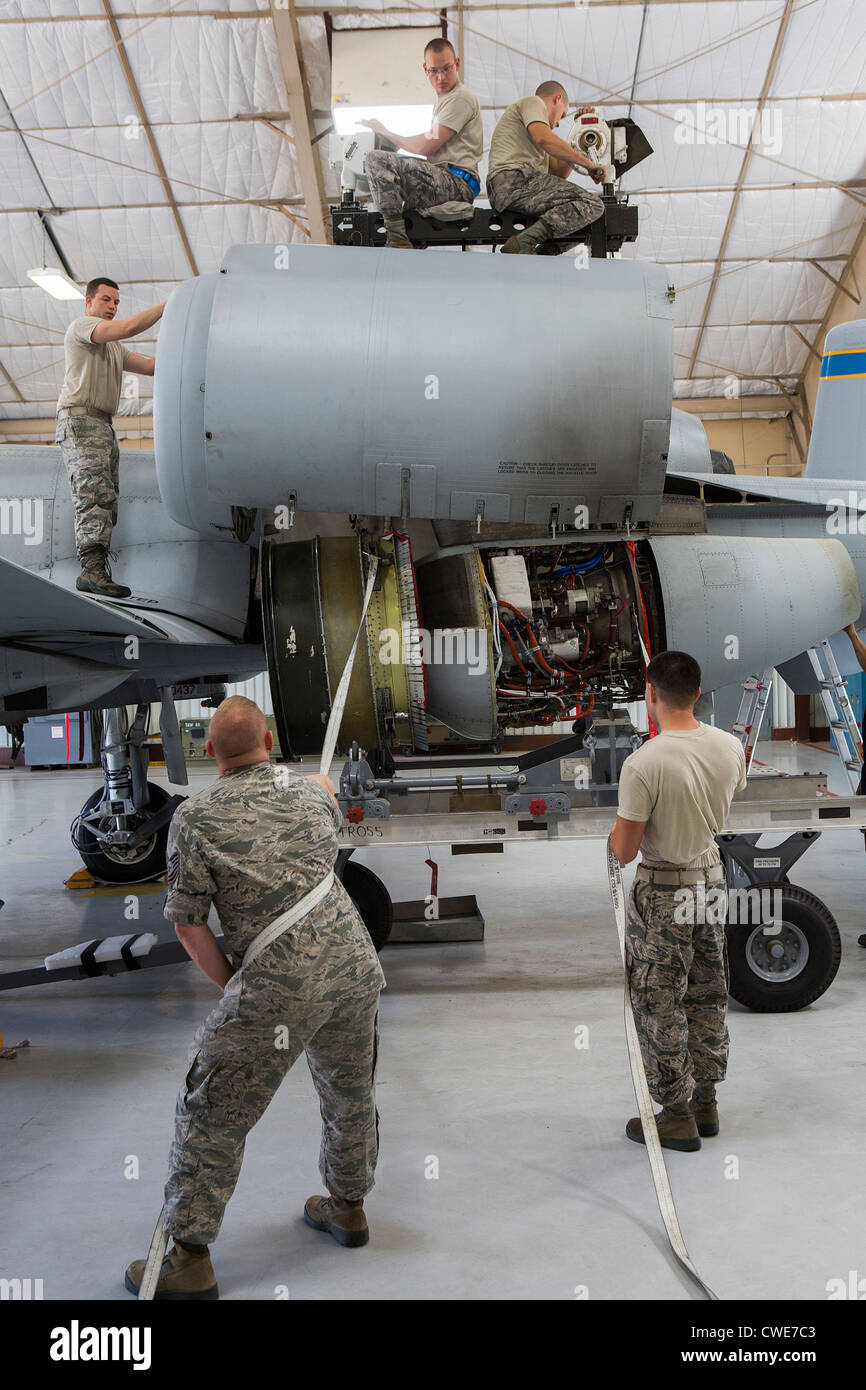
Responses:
[807,950]
[372,900]
[147,862]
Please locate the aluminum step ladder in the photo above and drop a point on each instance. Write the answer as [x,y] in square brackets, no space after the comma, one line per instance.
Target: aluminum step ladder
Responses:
[750,716]
[840,716]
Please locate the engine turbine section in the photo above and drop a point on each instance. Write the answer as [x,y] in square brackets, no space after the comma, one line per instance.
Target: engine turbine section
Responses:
[476,640]
[561,620]
[463,646]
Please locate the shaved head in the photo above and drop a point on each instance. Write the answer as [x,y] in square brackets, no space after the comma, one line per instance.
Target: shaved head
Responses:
[551,89]
[238,729]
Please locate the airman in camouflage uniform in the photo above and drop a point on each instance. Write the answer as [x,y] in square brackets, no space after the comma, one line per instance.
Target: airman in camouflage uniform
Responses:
[674,797]
[447,172]
[96,359]
[528,169]
[254,843]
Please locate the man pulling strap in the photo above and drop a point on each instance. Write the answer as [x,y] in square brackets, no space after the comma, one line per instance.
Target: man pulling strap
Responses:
[256,842]
[674,797]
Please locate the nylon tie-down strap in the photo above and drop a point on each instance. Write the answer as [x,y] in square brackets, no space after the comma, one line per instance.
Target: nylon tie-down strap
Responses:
[336,715]
[644,1101]
[159,1242]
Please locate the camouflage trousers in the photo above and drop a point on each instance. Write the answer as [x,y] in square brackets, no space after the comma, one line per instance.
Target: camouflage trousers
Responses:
[88,447]
[284,1003]
[396,179]
[565,206]
[678,981]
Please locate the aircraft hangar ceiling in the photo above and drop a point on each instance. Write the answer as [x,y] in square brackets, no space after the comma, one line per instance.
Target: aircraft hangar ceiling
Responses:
[146,138]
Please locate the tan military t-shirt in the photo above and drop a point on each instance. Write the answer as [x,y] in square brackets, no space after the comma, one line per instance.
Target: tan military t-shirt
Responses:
[512,146]
[459,111]
[681,783]
[94,371]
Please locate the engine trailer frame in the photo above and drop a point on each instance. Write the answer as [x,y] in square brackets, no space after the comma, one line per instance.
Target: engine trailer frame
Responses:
[483,802]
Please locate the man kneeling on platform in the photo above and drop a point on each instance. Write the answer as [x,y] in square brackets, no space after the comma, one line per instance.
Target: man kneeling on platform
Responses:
[448,172]
[528,172]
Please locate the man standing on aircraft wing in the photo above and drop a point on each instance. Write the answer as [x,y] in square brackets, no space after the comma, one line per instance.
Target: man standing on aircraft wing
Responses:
[96,359]
[255,843]
[451,149]
[528,172]
[674,797]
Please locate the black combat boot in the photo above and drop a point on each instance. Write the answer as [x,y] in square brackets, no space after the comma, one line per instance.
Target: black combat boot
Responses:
[95,576]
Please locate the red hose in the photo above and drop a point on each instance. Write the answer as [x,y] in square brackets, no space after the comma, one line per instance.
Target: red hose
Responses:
[630,545]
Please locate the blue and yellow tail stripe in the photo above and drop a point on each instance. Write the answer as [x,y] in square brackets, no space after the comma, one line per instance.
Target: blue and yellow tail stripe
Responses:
[846,362]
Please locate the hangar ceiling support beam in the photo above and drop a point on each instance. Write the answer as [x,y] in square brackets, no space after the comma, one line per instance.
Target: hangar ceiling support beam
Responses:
[838,283]
[804,340]
[300,111]
[848,267]
[747,157]
[719,406]
[148,133]
[796,402]
[11,383]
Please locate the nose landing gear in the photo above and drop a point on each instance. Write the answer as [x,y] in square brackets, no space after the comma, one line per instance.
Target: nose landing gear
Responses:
[122,829]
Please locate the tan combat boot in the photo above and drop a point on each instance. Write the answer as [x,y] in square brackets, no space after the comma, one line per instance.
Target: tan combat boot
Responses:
[675,1131]
[345,1221]
[396,234]
[95,576]
[706,1114]
[184,1275]
[527,242]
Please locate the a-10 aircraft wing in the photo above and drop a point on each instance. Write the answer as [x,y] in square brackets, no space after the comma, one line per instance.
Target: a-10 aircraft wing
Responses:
[34,607]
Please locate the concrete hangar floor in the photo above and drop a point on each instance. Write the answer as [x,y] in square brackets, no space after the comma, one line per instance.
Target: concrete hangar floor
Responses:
[538,1192]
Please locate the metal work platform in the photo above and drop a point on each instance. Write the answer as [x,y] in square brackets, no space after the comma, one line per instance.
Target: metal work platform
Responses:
[354,225]
[769,804]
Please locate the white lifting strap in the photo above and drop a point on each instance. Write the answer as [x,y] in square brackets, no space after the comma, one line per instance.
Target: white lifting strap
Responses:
[159,1243]
[336,716]
[644,1101]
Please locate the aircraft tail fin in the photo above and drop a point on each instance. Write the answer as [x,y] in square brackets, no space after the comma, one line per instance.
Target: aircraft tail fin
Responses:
[838,445]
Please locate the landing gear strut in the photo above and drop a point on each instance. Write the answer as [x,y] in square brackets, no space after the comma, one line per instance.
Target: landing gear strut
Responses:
[121,830]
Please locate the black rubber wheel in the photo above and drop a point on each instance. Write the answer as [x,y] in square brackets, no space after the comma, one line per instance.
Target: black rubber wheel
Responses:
[372,900]
[788,970]
[137,865]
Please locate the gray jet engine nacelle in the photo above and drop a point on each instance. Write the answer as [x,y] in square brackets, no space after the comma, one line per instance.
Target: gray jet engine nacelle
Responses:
[474,388]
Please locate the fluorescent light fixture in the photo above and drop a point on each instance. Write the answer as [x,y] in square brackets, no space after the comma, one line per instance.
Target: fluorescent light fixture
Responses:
[403,120]
[55,282]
